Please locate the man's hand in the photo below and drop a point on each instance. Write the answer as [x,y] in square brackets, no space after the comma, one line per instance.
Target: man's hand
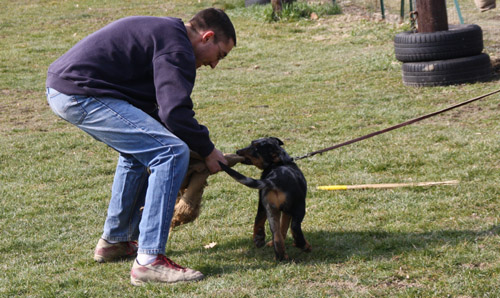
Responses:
[212,161]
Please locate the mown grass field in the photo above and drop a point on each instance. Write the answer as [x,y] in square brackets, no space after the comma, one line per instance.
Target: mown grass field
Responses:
[312,84]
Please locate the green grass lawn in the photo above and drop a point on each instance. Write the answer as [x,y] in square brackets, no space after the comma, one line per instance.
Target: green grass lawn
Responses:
[312,84]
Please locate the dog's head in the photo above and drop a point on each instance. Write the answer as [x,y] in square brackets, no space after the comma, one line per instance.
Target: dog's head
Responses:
[264,152]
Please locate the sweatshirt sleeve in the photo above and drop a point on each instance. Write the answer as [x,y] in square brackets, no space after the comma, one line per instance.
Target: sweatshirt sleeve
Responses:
[174,75]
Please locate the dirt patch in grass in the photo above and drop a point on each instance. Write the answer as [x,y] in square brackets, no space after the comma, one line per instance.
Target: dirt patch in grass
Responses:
[23,110]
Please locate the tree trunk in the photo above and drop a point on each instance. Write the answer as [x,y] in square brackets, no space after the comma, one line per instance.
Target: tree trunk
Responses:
[432,16]
[278,5]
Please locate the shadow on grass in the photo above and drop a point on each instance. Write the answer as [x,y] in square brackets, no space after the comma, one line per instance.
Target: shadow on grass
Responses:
[337,247]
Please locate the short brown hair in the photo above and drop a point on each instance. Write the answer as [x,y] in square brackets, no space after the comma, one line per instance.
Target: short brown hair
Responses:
[216,20]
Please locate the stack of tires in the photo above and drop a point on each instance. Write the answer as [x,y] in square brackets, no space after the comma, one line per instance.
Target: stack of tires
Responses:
[443,57]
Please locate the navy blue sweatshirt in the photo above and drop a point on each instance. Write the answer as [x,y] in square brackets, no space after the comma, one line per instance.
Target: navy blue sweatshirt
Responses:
[147,61]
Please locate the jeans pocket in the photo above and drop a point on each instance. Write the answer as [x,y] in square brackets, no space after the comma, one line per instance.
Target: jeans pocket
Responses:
[67,107]
[51,93]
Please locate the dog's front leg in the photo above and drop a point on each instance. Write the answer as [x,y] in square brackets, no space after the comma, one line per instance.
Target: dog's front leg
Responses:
[259,228]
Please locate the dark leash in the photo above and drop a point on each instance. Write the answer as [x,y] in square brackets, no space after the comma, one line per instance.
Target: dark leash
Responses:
[394,127]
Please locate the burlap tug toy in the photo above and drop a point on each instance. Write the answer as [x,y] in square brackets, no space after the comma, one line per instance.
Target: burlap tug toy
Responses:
[187,206]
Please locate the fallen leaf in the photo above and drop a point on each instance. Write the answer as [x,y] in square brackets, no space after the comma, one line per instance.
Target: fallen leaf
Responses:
[210,245]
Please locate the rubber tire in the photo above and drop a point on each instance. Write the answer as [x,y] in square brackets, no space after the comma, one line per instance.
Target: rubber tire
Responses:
[448,72]
[459,41]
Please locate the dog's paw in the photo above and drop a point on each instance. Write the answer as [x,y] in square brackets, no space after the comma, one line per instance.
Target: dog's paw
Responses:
[282,258]
[259,241]
[306,247]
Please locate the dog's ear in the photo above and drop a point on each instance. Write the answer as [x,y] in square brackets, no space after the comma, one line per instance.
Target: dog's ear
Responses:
[280,155]
[280,143]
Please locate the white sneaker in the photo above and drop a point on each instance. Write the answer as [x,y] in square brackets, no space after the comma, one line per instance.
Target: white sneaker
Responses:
[162,270]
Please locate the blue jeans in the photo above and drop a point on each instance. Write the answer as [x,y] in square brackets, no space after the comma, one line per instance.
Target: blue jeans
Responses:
[142,143]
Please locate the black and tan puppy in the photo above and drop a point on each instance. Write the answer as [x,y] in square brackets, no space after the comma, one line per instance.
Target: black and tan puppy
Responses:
[282,194]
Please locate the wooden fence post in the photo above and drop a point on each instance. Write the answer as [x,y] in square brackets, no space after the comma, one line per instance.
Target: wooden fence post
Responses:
[432,16]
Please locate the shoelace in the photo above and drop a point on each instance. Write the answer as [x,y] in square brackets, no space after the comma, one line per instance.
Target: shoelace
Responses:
[170,262]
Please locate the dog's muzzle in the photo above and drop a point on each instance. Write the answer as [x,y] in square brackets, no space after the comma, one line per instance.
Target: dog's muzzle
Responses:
[242,153]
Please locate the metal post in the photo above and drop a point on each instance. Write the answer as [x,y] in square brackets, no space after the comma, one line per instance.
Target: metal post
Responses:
[382,10]
[432,16]
[402,10]
[459,13]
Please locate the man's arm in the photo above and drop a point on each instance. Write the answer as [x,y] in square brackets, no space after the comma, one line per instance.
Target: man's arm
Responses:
[174,76]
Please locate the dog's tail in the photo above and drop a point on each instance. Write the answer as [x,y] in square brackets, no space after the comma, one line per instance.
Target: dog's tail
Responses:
[247,181]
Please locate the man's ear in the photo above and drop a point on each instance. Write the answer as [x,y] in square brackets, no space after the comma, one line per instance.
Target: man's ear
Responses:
[207,35]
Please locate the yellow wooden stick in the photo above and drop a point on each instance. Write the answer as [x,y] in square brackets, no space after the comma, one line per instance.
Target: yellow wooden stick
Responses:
[386,185]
